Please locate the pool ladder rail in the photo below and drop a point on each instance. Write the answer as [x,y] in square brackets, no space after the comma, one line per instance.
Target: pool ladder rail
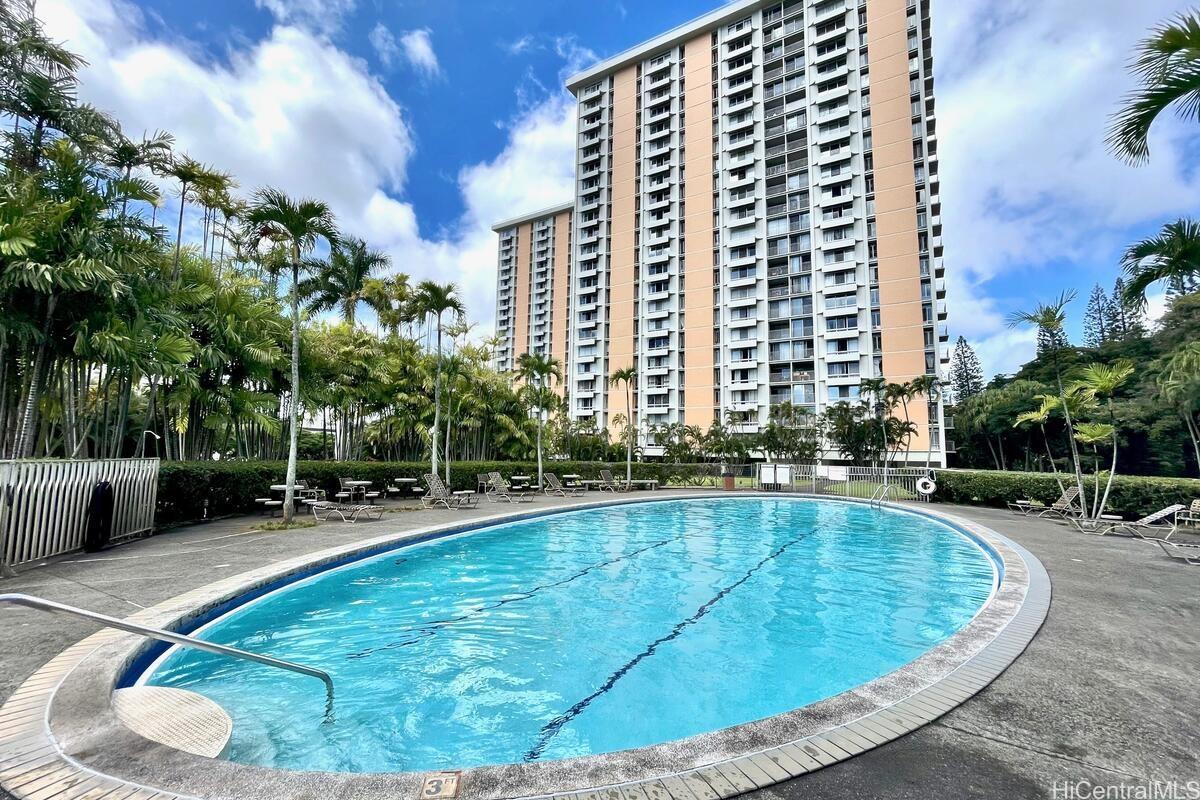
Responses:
[881,495]
[179,639]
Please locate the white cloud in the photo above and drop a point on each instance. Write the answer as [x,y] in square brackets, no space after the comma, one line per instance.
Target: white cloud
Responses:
[321,16]
[520,45]
[294,111]
[1024,92]
[385,44]
[417,46]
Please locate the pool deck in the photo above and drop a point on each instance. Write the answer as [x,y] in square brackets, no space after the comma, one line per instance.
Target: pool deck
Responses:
[1107,693]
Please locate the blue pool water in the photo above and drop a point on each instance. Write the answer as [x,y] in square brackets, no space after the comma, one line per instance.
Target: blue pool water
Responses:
[586,632]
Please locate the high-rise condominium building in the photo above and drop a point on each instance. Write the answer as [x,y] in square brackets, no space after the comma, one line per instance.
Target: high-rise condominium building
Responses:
[533,286]
[756,218]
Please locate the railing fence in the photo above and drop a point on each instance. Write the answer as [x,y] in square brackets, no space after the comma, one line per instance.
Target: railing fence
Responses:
[44,504]
[859,482]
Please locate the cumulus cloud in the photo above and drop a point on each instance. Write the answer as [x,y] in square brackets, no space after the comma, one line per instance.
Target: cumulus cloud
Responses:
[296,112]
[1024,94]
[322,16]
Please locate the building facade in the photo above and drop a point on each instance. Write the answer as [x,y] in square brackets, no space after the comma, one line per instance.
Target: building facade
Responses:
[757,217]
[532,286]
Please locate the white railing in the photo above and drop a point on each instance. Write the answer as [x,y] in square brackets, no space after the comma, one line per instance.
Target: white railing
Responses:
[44,504]
[865,483]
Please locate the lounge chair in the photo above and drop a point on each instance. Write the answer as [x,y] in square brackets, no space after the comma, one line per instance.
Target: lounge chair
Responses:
[1144,528]
[1191,517]
[608,483]
[500,490]
[323,510]
[1026,507]
[1187,553]
[439,495]
[553,486]
[1066,507]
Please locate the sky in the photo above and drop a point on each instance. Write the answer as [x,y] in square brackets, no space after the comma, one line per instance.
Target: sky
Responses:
[423,122]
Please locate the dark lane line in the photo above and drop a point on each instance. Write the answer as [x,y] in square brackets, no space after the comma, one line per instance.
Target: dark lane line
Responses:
[427,629]
[551,728]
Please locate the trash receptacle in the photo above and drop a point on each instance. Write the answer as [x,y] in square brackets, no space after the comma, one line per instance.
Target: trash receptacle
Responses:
[99,518]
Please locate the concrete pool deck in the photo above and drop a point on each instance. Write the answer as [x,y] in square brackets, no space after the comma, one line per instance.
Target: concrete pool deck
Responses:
[1111,698]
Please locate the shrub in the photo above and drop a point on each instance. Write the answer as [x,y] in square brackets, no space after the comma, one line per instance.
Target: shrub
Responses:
[230,487]
[1132,495]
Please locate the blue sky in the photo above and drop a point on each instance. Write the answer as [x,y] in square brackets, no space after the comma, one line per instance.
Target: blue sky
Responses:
[423,122]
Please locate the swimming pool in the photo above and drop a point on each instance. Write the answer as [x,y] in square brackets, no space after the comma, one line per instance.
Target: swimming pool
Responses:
[587,632]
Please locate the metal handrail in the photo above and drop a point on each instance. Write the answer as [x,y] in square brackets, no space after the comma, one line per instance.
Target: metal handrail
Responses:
[881,494]
[28,601]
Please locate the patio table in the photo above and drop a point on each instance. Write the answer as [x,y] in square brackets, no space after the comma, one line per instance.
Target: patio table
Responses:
[571,481]
[358,488]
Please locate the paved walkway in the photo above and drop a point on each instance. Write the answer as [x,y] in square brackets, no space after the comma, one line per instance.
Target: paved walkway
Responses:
[1108,693]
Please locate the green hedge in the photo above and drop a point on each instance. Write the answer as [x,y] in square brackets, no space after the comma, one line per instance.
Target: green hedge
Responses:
[231,487]
[1132,496]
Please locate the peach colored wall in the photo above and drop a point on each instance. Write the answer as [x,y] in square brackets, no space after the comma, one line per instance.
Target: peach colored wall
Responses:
[623,195]
[895,202]
[524,274]
[697,383]
[562,290]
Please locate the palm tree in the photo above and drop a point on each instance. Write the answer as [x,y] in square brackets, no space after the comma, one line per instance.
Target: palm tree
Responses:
[1173,256]
[190,173]
[1050,318]
[435,299]
[929,387]
[341,281]
[1040,416]
[537,372]
[627,375]
[389,299]
[153,152]
[1101,382]
[1168,66]
[1179,386]
[297,227]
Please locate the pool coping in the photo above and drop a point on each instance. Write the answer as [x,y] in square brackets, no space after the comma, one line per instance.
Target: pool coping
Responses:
[60,738]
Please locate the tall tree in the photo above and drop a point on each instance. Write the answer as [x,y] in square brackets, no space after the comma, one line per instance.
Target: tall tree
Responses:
[433,299]
[1167,65]
[966,372]
[341,280]
[627,376]
[537,372]
[1172,255]
[296,226]
[1095,318]
[1050,318]
[1126,312]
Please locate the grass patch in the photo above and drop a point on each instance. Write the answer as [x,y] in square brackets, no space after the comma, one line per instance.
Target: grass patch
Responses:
[286,526]
[866,489]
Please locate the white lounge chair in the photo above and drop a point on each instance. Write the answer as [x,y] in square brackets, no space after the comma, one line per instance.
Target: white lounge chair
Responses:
[439,495]
[1187,553]
[554,487]
[1066,507]
[1144,528]
[500,490]
[323,510]
[1026,507]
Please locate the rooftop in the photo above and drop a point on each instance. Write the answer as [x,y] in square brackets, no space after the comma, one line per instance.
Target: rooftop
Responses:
[671,38]
[545,212]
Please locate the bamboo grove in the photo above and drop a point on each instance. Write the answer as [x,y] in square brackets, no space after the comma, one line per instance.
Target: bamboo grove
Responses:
[123,333]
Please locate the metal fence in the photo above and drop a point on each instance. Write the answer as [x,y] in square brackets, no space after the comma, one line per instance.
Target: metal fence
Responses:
[44,505]
[860,482]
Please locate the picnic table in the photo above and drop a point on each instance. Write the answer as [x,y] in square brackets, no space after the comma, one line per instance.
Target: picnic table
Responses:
[519,481]
[358,489]
[403,486]
[571,481]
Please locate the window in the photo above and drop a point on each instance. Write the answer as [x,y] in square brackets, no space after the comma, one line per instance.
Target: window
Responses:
[847,323]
